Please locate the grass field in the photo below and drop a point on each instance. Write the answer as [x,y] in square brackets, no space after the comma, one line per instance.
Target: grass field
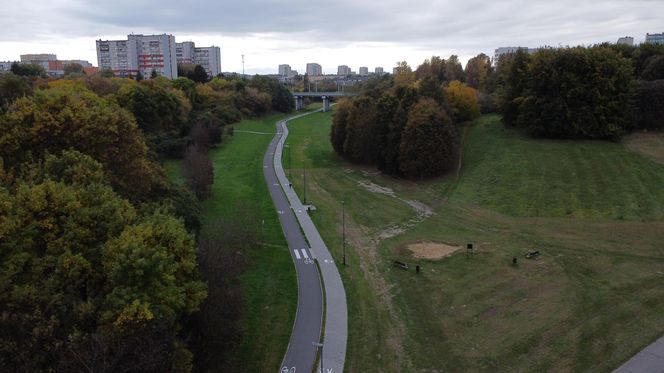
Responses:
[269,284]
[594,210]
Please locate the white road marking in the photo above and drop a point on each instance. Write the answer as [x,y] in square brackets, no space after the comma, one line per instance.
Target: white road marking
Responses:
[304,253]
[297,254]
[280,212]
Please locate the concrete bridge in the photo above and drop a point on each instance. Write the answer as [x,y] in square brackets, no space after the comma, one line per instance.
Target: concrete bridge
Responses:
[299,98]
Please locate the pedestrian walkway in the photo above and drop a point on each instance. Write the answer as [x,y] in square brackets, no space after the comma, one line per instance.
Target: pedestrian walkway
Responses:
[336,314]
[649,360]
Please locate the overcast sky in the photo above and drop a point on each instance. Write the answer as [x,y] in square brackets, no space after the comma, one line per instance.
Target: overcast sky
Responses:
[340,32]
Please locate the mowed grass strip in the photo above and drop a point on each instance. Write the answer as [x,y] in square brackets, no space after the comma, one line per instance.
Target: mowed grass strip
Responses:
[269,284]
[592,300]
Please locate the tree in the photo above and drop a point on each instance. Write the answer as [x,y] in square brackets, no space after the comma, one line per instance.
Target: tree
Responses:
[339,124]
[198,171]
[477,71]
[139,76]
[199,75]
[12,87]
[404,75]
[359,145]
[654,69]
[578,93]
[429,142]
[514,70]
[74,68]
[651,104]
[453,69]
[32,70]
[154,74]
[56,119]
[463,101]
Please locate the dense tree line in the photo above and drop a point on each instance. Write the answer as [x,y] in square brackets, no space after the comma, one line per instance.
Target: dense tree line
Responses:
[600,92]
[407,124]
[98,263]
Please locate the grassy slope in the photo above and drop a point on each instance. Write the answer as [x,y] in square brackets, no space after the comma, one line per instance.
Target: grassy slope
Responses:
[594,209]
[270,291]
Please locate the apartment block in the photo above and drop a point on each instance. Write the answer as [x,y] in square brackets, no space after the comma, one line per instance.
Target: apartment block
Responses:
[156,53]
[314,69]
[284,70]
[655,38]
[184,52]
[209,58]
[364,71]
[120,56]
[343,70]
[626,40]
[379,71]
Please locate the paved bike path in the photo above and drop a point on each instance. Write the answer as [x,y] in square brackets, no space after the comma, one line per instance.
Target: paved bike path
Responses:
[336,313]
[301,354]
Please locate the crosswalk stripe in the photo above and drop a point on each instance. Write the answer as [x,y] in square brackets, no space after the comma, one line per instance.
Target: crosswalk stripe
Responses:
[297,254]
[304,253]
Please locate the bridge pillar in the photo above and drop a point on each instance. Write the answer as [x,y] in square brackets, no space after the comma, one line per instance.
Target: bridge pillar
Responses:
[326,103]
[299,102]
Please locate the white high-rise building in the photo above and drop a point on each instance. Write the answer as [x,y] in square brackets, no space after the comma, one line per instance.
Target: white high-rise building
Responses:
[378,71]
[120,56]
[156,53]
[364,71]
[314,69]
[209,58]
[284,70]
[184,52]
[655,38]
[343,70]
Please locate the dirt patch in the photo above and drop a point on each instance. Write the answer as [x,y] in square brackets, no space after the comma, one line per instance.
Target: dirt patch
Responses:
[375,188]
[649,144]
[432,250]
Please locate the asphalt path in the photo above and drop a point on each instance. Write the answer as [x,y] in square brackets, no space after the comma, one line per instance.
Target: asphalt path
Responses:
[301,353]
[309,254]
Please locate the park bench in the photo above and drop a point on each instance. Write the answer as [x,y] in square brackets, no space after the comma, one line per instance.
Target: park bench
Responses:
[532,254]
[401,265]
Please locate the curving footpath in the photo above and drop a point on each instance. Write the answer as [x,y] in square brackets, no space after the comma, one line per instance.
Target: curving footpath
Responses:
[299,230]
[650,360]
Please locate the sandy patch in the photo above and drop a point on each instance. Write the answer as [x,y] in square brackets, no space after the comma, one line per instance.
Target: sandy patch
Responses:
[431,250]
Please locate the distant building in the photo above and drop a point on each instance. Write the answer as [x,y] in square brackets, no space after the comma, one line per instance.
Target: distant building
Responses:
[284,70]
[156,53]
[364,71]
[120,56]
[314,69]
[378,71]
[48,61]
[184,52]
[209,58]
[626,40]
[509,50]
[395,70]
[343,70]
[655,38]
[6,66]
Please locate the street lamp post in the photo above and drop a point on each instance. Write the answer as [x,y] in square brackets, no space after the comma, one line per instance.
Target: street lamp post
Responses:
[304,175]
[319,345]
[289,161]
[343,229]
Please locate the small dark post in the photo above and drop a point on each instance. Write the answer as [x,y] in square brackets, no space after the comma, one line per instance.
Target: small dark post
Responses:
[469,250]
[417,269]
[343,229]
[514,261]
[304,174]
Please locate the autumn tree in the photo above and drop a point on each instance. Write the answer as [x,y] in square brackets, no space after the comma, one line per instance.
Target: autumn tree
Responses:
[462,100]
[57,119]
[198,171]
[358,144]
[404,75]
[477,71]
[429,141]
[339,124]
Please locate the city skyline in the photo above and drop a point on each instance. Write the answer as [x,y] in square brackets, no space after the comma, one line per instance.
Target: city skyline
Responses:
[296,33]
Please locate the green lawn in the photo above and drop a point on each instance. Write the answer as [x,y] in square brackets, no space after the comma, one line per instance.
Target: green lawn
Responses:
[595,210]
[269,284]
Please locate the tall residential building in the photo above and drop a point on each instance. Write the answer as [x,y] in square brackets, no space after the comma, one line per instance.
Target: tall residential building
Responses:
[6,66]
[184,52]
[284,70]
[314,69]
[156,53]
[209,58]
[626,40]
[378,71]
[120,56]
[364,71]
[343,70]
[655,38]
